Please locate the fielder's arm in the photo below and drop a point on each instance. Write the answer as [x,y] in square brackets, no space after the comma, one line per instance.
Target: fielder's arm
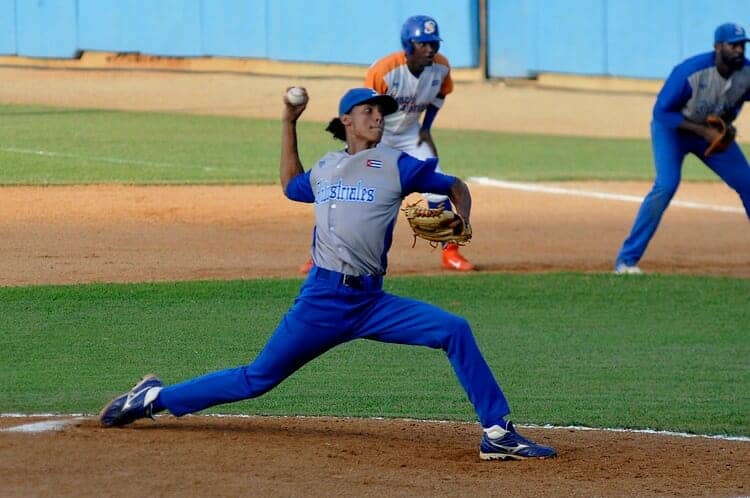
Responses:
[708,133]
[425,135]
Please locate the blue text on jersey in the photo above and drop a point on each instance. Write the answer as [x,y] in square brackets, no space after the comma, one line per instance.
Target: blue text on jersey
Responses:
[326,191]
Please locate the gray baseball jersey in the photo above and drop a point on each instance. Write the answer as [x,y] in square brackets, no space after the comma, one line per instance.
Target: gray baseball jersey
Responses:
[361,190]
[695,89]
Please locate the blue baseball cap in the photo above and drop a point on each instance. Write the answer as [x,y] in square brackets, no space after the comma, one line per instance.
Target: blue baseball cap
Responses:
[730,33]
[358,96]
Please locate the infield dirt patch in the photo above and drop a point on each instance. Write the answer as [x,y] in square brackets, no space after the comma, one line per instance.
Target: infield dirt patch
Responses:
[267,456]
[103,233]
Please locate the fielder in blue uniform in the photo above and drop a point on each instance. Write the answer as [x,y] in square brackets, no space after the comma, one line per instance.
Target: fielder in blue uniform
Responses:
[714,83]
[356,193]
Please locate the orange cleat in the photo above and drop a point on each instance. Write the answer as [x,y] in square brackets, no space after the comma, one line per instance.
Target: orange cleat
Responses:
[306,267]
[452,259]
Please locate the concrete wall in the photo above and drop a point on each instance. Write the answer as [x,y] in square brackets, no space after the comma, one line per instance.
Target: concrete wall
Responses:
[329,31]
[631,38]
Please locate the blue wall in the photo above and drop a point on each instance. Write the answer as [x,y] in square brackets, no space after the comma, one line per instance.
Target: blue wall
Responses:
[164,27]
[635,38]
[235,28]
[46,28]
[632,38]
[333,31]
[364,34]
[652,55]
[8,27]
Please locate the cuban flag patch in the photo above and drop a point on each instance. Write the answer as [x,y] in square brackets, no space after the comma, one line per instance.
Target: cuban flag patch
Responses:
[374,163]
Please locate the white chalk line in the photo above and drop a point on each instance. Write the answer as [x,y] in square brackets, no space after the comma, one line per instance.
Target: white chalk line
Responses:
[546,189]
[110,160]
[101,159]
[527,187]
[43,426]
[62,421]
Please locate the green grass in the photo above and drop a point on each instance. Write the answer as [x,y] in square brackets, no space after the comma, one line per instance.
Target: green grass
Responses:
[44,145]
[662,352]
[41,145]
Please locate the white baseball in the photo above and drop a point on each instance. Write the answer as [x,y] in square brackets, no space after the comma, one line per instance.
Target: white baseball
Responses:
[295,95]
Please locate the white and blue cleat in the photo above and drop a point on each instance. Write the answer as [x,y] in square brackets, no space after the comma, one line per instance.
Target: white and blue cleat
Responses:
[134,404]
[622,268]
[511,445]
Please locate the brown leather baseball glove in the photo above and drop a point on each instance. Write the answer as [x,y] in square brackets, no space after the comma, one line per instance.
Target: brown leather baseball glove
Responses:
[436,225]
[725,137]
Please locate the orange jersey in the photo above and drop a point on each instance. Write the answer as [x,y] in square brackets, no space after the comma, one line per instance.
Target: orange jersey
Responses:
[390,75]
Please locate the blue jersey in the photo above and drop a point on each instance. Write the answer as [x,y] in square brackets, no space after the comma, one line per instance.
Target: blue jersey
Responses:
[695,89]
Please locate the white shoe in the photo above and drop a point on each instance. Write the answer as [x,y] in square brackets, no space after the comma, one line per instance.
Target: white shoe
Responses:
[625,269]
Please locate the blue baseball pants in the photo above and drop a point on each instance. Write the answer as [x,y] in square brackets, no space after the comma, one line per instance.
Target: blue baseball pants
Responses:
[330,311]
[670,147]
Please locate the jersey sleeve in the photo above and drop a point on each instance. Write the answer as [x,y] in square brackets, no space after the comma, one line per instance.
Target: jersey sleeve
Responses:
[375,77]
[736,110]
[447,86]
[672,99]
[299,188]
[420,176]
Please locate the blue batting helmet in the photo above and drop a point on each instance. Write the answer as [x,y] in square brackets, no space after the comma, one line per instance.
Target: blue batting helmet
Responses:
[419,29]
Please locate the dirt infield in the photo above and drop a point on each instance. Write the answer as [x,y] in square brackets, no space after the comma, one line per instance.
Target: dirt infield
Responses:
[124,234]
[265,456]
[66,235]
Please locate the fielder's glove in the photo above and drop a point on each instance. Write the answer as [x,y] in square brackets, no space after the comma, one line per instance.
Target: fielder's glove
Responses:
[725,137]
[436,225]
